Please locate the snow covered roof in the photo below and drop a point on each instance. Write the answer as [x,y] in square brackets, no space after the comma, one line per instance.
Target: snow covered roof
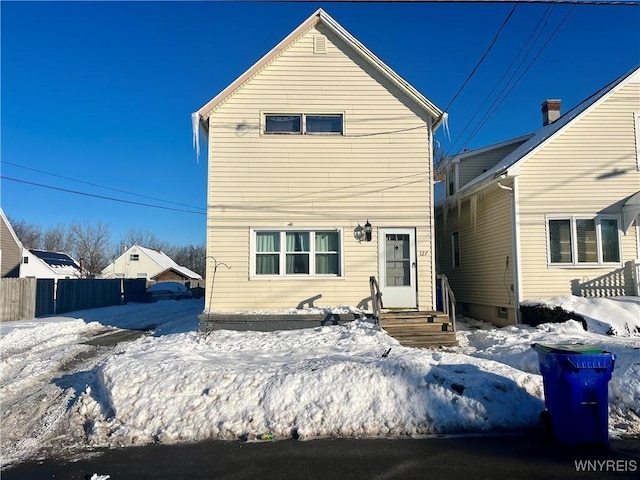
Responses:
[319,16]
[60,263]
[508,166]
[166,263]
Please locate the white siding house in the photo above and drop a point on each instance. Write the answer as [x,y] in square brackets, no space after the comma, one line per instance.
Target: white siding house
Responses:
[555,214]
[314,142]
[147,263]
[10,249]
[44,264]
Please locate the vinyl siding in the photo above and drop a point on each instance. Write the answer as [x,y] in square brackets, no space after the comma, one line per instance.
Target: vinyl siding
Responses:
[588,168]
[379,170]
[9,252]
[483,281]
[473,166]
[130,269]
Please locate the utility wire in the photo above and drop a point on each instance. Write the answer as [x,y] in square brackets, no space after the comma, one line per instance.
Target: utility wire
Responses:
[484,56]
[498,101]
[99,196]
[544,18]
[100,186]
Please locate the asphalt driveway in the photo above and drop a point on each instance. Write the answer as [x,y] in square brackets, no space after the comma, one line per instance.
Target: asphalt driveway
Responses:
[475,457]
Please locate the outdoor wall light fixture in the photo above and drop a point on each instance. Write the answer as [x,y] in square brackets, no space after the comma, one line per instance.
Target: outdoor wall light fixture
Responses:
[363,233]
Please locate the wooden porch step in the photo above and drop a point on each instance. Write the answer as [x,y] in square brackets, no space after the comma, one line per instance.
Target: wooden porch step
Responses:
[421,329]
[428,315]
[447,339]
[416,327]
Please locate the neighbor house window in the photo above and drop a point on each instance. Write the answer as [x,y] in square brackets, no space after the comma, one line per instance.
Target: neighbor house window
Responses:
[331,124]
[583,241]
[451,180]
[297,253]
[25,259]
[455,249]
[134,257]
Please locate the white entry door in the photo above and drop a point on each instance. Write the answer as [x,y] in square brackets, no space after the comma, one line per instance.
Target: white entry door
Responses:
[397,252]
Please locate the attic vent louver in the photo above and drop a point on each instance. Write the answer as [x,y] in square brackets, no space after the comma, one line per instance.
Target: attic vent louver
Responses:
[319,44]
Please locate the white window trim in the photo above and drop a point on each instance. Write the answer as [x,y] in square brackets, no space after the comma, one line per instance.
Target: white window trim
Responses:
[303,123]
[297,276]
[574,245]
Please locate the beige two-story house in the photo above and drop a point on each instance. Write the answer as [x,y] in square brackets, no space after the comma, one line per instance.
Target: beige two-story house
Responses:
[320,176]
[554,212]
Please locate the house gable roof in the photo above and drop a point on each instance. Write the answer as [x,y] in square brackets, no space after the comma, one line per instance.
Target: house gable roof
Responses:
[60,263]
[319,16]
[509,165]
[166,263]
[10,229]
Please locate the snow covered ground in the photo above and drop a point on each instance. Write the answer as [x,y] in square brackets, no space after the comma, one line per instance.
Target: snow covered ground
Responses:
[64,386]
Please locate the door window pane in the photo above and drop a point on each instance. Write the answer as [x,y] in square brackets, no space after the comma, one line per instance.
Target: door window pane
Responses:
[398,261]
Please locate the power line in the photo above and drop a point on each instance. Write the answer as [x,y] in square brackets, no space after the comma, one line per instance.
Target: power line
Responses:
[99,186]
[539,27]
[484,56]
[103,197]
[498,101]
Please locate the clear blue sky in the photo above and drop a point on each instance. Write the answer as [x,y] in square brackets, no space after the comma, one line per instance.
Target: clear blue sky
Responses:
[102,92]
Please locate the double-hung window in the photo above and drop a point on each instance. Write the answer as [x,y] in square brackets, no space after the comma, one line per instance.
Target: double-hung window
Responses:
[297,253]
[304,124]
[583,241]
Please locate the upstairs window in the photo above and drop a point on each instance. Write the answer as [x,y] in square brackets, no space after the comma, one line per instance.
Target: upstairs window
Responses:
[583,241]
[134,257]
[304,124]
[283,124]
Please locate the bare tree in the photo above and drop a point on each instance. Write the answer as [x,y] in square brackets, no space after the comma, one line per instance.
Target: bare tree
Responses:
[58,239]
[191,256]
[30,235]
[144,239]
[91,246]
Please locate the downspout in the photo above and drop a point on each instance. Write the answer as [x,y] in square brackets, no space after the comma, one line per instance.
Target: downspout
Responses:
[432,211]
[515,246]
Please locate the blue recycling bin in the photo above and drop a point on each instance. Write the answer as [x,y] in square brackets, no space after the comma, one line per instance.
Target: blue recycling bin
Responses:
[576,379]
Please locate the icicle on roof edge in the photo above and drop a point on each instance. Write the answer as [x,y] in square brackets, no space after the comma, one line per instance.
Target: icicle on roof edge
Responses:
[195,126]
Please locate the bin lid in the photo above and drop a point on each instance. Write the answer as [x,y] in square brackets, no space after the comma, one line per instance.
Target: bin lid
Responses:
[566,348]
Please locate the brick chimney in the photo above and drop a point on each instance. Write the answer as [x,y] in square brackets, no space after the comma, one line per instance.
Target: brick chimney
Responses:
[550,111]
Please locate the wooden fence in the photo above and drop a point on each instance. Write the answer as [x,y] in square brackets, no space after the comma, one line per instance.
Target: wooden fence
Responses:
[17,298]
[26,298]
